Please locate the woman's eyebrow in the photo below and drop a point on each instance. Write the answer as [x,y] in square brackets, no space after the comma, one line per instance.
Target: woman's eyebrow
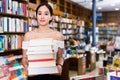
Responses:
[39,11]
[44,11]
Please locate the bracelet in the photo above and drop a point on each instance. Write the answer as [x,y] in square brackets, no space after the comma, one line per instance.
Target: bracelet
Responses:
[59,64]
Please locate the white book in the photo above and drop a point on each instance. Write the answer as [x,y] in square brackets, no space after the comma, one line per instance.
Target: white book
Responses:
[5,24]
[39,52]
[41,63]
[17,25]
[37,42]
[38,48]
[21,25]
[10,24]
[42,70]
[40,56]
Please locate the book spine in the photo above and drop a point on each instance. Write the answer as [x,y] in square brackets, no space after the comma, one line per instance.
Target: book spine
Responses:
[41,60]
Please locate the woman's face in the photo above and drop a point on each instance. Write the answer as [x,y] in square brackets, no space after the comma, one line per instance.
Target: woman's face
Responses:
[43,16]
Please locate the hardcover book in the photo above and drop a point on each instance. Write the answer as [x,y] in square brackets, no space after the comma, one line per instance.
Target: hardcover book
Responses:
[42,70]
[40,56]
[41,63]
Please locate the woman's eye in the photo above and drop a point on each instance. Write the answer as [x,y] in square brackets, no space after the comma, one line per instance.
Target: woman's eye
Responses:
[39,13]
[46,14]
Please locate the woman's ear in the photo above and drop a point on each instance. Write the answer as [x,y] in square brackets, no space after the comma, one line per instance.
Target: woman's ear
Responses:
[51,18]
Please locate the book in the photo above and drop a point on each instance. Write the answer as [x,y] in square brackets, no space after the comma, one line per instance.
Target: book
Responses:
[116,62]
[40,56]
[39,48]
[39,52]
[110,60]
[88,77]
[41,63]
[38,42]
[1,71]
[2,43]
[83,77]
[42,70]
[114,77]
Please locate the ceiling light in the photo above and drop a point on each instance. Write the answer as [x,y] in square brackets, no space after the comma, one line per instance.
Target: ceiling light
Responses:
[112,4]
[99,8]
[91,3]
[116,9]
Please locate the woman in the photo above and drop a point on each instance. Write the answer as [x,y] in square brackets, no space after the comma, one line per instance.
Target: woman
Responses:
[44,14]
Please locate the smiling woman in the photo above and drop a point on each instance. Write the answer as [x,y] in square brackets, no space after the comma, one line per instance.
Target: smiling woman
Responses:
[44,14]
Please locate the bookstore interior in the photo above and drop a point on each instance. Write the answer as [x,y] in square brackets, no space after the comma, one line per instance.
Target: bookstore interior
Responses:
[91,30]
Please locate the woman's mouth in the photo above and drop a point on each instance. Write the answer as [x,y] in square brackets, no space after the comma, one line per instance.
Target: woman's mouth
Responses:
[42,20]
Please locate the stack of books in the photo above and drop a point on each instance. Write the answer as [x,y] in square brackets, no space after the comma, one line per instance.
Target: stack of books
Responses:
[41,58]
[87,77]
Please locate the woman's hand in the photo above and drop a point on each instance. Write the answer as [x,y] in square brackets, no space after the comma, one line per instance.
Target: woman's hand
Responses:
[25,66]
[59,69]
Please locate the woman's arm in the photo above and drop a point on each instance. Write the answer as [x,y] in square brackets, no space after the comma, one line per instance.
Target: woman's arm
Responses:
[24,56]
[25,62]
[60,58]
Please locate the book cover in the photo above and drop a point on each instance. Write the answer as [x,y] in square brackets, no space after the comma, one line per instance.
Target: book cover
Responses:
[92,78]
[83,77]
[19,41]
[1,43]
[38,42]
[116,62]
[39,48]
[110,60]
[40,56]
[39,52]
[42,63]
[1,71]
[114,78]
[42,70]
[101,70]
[1,27]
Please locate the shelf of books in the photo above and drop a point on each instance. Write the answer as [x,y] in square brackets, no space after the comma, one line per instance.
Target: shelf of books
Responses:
[107,31]
[13,25]
[32,16]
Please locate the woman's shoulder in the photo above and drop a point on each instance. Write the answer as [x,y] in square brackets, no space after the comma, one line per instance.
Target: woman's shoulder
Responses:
[29,34]
[57,32]
[59,35]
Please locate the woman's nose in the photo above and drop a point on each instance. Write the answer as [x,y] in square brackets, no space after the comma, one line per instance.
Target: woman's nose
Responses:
[42,16]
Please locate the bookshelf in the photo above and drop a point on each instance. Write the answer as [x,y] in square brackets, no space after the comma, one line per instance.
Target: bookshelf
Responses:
[107,31]
[13,25]
[32,21]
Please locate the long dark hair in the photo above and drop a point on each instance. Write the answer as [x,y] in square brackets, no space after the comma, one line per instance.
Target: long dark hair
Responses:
[48,6]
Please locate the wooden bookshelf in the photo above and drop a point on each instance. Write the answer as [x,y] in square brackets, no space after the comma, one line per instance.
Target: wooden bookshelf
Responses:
[2,14]
[107,31]
[7,52]
[13,25]
[13,33]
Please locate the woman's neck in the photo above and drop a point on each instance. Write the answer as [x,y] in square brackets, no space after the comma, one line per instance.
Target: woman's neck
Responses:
[43,29]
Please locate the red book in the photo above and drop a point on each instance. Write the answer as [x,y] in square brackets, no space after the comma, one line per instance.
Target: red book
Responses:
[42,63]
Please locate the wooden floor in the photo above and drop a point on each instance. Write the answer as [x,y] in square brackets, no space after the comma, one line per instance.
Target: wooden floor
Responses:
[93,72]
